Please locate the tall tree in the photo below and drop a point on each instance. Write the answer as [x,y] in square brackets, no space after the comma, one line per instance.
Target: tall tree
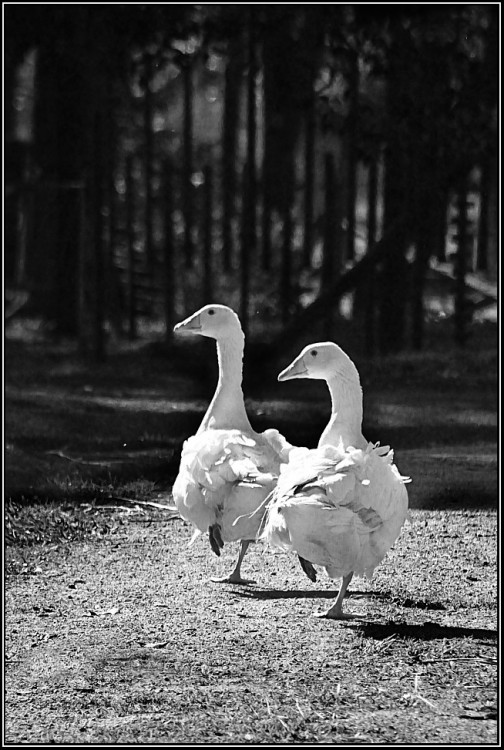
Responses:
[188,198]
[251,127]
[309,175]
[351,143]
[207,237]
[149,160]
[394,272]
[233,76]
[169,253]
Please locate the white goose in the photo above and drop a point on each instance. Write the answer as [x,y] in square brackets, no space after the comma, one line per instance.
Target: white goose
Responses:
[226,469]
[341,505]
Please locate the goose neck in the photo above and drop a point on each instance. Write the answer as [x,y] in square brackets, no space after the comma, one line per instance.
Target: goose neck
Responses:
[227,408]
[345,424]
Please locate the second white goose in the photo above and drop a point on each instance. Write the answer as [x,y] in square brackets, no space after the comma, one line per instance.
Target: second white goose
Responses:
[341,505]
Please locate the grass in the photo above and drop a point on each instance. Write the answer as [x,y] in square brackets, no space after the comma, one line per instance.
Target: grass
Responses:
[114,633]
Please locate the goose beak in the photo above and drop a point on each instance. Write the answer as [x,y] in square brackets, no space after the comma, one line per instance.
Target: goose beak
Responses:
[192,324]
[296,369]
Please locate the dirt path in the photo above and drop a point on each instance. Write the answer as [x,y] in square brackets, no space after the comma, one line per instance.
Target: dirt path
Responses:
[124,640]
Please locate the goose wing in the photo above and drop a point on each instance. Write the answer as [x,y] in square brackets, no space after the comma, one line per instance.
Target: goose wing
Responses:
[223,474]
[338,508]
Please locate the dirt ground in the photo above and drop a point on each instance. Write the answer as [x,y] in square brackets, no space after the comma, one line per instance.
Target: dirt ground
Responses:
[114,632]
[125,640]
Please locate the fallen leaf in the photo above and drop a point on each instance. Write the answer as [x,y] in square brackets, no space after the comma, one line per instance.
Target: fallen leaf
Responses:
[111,611]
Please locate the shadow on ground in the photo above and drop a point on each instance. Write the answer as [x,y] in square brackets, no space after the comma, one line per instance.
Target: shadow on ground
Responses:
[427,631]
[272,594]
[127,418]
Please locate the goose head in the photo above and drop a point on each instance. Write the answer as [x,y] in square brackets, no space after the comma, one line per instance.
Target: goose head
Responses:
[214,321]
[322,361]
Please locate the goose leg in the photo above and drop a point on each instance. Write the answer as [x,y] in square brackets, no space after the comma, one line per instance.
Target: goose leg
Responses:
[336,611]
[235,576]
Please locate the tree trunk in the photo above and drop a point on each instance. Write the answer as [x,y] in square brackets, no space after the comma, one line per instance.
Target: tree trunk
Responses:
[369,286]
[233,76]
[286,269]
[98,241]
[329,263]
[461,310]
[130,238]
[169,254]
[148,165]
[351,139]
[207,239]
[62,148]
[187,197]
[245,253]
[423,249]
[115,306]
[331,260]
[267,167]
[309,186]
[284,94]
[440,220]
[482,256]
[251,129]
[394,274]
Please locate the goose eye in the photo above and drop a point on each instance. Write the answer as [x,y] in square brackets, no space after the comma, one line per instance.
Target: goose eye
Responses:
[211,312]
[314,353]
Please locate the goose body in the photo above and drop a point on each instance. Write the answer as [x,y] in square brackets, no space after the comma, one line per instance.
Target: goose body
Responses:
[226,469]
[341,505]
[224,476]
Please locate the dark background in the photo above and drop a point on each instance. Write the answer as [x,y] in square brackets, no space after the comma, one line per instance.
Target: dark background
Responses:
[318,168]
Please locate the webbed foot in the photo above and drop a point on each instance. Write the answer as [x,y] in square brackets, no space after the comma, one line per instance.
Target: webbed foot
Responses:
[232,578]
[336,614]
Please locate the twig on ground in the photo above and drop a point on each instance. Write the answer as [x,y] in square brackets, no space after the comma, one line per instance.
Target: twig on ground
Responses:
[60,454]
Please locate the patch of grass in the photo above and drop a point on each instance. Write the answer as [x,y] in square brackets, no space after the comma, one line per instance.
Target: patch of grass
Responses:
[83,509]
[46,523]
